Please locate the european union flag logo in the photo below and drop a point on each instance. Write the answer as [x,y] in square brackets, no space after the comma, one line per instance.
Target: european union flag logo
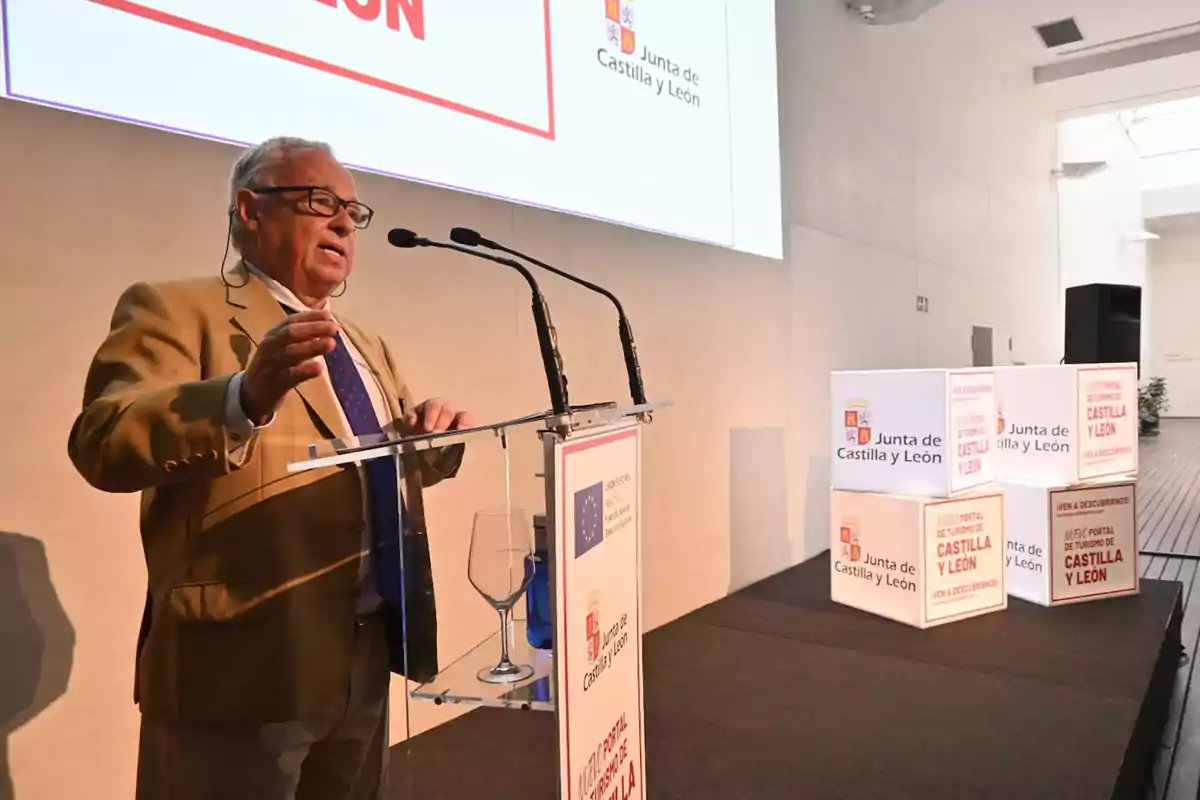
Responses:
[589,518]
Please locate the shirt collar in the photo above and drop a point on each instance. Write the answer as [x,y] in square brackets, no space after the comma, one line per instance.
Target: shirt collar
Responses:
[281,293]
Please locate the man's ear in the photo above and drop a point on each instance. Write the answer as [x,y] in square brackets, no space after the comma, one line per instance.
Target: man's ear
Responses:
[245,209]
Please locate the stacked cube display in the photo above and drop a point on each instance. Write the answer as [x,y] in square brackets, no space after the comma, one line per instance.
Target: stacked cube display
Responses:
[1068,460]
[917,524]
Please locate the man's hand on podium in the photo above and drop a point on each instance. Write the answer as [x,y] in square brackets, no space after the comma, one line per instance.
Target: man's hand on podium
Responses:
[436,416]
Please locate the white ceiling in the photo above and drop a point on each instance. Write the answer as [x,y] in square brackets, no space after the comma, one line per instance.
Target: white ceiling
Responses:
[1105,24]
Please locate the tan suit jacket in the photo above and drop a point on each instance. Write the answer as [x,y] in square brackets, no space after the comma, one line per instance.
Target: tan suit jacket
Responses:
[253,571]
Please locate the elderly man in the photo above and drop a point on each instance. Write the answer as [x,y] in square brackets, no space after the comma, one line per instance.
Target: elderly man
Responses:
[273,616]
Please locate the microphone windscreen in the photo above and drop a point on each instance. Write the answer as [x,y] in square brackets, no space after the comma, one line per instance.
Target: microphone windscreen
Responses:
[466,236]
[402,237]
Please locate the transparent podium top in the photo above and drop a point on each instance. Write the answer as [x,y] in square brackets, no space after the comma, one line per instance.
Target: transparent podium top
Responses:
[459,682]
[332,452]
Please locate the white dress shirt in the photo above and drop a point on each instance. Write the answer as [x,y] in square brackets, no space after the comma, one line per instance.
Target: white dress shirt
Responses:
[242,431]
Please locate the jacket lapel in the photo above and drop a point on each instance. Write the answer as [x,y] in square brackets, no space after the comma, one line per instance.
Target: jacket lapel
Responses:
[255,313]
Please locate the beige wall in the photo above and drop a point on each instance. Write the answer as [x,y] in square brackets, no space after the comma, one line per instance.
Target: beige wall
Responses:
[913,164]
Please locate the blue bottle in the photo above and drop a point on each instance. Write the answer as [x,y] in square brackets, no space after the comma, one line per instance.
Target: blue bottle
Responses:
[539,629]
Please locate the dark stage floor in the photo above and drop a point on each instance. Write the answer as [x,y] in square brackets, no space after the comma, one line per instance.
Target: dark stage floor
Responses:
[1169,519]
[775,692]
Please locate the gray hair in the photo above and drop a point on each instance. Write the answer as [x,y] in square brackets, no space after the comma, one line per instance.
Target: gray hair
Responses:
[251,165]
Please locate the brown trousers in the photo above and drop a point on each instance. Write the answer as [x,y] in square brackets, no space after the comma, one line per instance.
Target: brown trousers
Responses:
[336,759]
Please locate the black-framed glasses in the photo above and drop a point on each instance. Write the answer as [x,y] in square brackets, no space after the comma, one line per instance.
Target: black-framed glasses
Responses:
[325,203]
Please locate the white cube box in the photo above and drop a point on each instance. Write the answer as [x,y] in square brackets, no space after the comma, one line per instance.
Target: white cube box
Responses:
[923,562]
[1066,423]
[926,432]
[1068,544]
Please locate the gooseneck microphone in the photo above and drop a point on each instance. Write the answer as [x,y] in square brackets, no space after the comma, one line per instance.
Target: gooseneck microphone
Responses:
[556,379]
[637,390]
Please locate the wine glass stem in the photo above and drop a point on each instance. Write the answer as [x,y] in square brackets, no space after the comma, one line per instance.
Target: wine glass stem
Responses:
[504,636]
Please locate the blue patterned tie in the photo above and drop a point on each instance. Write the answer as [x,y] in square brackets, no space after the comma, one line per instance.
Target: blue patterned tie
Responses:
[382,487]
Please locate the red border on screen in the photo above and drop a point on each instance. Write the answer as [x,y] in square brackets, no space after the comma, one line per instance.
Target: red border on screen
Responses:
[181,23]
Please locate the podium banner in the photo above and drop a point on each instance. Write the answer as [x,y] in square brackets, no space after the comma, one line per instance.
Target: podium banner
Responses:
[598,621]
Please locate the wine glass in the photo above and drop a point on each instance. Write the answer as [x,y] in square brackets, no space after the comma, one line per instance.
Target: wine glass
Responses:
[501,541]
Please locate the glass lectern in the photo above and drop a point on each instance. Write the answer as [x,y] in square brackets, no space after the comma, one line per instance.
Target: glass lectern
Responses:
[591,539]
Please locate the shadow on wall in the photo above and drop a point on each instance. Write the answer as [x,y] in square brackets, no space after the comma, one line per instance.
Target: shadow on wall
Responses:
[816,505]
[759,544]
[36,638]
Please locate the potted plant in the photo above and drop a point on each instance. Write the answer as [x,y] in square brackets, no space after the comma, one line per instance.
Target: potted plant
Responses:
[1152,401]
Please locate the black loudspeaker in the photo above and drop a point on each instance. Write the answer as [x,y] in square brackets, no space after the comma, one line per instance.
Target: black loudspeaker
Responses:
[1104,324]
